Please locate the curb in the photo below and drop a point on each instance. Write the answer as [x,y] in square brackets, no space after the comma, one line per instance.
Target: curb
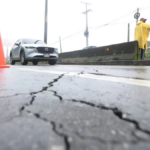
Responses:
[119,63]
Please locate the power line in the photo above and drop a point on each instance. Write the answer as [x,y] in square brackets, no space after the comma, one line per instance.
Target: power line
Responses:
[83,30]
[112,24]
[97,27]
[90,28]
[115,20]
[68,37]
[145,8]
[121,22]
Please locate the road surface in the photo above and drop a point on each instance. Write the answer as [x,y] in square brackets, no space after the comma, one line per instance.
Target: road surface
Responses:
[75,108]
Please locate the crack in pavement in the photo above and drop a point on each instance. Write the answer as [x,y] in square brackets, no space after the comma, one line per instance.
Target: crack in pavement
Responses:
[18,94]
[115,111]
[53,124]
[82,72]
[43,89]
[55,94]
[66,138]
[81,136]
[118,113]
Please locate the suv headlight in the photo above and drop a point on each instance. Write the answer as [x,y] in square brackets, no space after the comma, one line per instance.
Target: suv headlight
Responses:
[32,48]
[36,49]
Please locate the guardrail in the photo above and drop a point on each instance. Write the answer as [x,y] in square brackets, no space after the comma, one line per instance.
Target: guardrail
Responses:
[122,51]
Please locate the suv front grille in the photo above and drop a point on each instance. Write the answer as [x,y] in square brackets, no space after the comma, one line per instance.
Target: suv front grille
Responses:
[45,50]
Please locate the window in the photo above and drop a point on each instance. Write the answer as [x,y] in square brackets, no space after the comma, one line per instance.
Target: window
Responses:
[40,42]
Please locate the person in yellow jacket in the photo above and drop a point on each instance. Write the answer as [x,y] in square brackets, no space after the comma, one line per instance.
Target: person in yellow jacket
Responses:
[141,35]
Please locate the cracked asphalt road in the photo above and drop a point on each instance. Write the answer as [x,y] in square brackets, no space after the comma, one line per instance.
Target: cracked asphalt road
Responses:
[74,108]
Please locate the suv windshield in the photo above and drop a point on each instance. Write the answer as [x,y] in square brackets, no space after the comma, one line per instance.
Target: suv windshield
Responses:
[39,42]
[31,41]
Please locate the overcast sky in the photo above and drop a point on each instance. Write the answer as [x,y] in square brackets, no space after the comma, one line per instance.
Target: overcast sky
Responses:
[25,19]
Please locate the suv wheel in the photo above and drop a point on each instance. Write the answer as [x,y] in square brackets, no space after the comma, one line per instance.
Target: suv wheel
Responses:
[22,59]
[12,62]
[52,62]
[35,62]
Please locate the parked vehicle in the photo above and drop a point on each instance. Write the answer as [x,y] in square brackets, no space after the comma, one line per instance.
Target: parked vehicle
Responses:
[25,50]
[90,47]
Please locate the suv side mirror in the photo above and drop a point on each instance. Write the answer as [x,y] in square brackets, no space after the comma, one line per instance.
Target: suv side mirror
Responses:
[17,44]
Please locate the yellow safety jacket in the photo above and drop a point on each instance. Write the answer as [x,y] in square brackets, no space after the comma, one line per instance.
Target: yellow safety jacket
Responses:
[141,34]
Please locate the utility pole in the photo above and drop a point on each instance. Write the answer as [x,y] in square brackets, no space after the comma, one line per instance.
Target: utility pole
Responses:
[60,44]
[128,32]
[46,21]
[86,33]
[137,17]
[7,54]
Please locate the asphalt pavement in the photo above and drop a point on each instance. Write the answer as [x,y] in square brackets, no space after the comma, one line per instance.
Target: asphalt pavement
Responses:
[66,107]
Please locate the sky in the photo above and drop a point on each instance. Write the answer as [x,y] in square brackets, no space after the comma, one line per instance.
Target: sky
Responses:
[25,19]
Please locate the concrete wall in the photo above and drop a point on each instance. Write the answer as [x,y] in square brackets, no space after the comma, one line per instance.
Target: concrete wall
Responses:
[122,51]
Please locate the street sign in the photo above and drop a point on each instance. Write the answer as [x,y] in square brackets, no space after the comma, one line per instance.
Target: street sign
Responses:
[137,15]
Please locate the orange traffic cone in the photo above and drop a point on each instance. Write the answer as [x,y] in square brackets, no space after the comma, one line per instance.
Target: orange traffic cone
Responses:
[2,58]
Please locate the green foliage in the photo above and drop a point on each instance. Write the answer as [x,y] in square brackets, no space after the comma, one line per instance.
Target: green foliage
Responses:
[91,60]
[115,58]
[147,54]
[114,55]
[99,58]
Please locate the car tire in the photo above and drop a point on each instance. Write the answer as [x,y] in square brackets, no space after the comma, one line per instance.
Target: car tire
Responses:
[35,62]
[22,58]
[52,62]
[12,62]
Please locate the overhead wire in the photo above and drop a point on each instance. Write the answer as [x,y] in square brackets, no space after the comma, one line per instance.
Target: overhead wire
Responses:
[122,22]
[68,36]
[114,20]
[97,27]
[145,8]
[89,29]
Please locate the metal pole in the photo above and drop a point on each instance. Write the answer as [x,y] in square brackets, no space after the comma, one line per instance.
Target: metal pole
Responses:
[86,25]
[128,32]
[86,33]
[60,44]
[7,54]
[46,21]
[137,18]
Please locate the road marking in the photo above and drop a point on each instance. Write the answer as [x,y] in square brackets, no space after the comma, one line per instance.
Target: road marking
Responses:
[118,79]
[97,77]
